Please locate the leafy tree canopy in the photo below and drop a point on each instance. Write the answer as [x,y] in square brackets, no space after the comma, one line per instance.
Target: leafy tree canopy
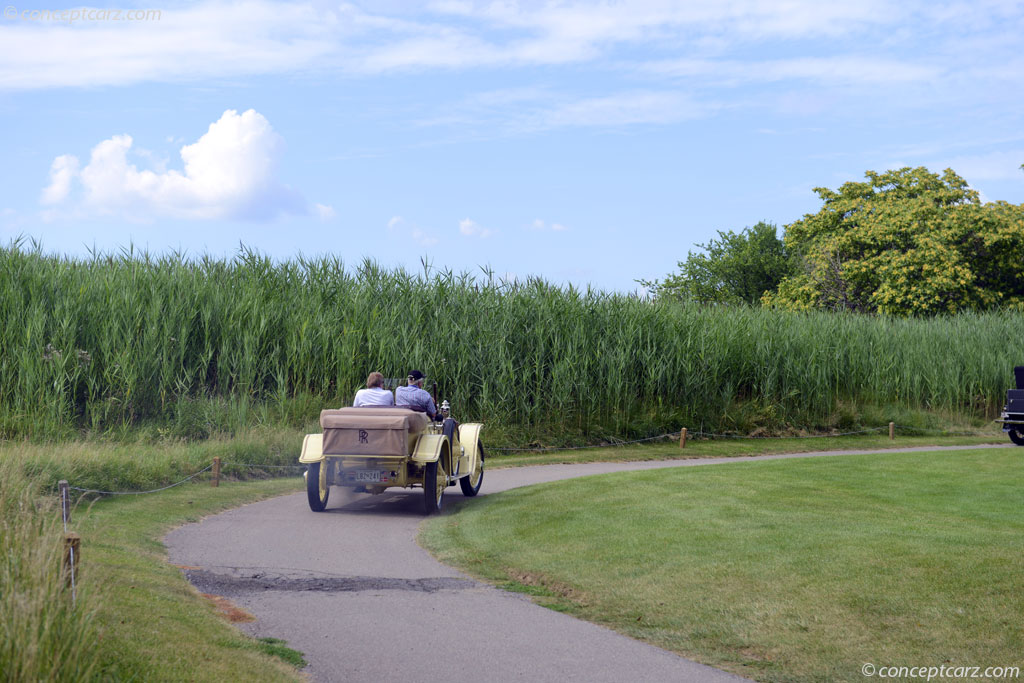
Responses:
[736,268]
[905,242]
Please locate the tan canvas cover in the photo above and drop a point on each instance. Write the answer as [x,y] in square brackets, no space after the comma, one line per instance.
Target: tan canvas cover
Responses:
[370,431]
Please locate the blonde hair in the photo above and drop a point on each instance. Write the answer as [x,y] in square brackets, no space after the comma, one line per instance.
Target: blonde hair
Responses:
[375,379]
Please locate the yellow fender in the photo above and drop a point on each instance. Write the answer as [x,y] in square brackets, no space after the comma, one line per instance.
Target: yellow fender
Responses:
[312,448]
[428,448]
[469,438]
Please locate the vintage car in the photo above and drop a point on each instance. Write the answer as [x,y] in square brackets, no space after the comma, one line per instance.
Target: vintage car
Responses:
[1013,412]
[372,449]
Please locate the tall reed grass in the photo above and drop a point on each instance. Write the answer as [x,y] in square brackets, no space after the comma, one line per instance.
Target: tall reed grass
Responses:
[43,637]
[115,340]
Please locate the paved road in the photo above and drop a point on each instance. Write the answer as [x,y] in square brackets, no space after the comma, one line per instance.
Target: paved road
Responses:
[354,592]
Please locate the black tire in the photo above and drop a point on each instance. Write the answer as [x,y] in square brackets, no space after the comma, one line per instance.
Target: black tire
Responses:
[468,489]
[1016,437]
[434,482]
[317,491]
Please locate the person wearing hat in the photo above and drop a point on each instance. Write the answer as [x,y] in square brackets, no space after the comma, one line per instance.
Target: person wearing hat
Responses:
[415,396]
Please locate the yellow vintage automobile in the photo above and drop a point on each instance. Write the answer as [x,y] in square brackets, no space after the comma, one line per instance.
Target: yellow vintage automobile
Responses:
[373,449]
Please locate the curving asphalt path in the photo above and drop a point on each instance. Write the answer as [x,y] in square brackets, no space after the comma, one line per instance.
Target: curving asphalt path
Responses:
[353,591]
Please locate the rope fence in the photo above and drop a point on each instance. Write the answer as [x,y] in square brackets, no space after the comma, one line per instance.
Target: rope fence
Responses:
[580,448]
[685,434]
[139,493]
[712,435]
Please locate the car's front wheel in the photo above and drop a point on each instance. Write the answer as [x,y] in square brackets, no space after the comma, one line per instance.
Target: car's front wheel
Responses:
[1016,437]
[317,489]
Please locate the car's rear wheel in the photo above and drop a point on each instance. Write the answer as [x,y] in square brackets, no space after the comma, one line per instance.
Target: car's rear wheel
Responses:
[317,489]
[1016,437]
[471,484]
[435,480]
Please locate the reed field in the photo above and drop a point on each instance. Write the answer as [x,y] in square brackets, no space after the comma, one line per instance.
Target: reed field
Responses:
[197,346]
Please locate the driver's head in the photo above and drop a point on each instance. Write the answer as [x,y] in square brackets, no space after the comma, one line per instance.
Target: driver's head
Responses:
[416,378]
[375,380]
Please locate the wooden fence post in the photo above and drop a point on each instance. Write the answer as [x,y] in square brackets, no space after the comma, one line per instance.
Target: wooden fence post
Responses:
[892,431]
[216,472]
[72,557]
[682,438]
[65,502]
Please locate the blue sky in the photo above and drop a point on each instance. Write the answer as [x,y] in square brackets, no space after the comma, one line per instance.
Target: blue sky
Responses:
[591,143]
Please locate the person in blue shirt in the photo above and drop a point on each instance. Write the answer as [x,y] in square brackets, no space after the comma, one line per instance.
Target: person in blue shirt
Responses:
[414,396]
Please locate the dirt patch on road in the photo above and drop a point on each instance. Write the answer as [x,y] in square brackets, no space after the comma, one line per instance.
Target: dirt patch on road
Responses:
[259,582]
[228,609]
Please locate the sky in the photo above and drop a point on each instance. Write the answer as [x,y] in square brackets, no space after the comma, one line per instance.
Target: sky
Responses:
[588,143]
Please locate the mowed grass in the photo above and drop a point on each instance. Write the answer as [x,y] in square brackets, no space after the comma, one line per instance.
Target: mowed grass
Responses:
[792,570]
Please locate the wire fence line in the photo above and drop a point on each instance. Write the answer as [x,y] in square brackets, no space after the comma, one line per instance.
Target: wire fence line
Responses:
[186,479]
[139,493]
[794,436]
[580,448]
[716,435]
[257,466]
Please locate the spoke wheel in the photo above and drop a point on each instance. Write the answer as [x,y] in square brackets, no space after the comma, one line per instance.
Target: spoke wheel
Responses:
[1016,437]
[317,489]
[471,484]
[435,480]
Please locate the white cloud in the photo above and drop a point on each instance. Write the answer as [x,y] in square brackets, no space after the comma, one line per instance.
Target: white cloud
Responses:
[216,39]
[325,213]
[833,70]
[622,109]
[423,238]
[398,227]
[195,43]
[546,111]
[228,173]
[540,224]
[62,172]
[471,228]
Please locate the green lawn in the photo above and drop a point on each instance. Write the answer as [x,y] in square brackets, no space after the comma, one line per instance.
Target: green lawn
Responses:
[794,570]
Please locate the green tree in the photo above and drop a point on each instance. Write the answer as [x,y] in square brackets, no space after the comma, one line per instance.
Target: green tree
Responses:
[736,268]
[905,242]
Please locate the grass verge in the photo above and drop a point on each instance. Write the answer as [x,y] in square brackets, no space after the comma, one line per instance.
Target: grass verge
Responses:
[153,625]
[146,464]
[42,636]
[794,570]
[723,448]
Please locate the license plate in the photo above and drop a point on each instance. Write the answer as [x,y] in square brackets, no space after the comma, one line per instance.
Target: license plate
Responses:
[367,476]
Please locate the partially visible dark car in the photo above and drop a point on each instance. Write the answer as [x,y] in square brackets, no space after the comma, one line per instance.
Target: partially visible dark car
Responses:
[1013,412]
